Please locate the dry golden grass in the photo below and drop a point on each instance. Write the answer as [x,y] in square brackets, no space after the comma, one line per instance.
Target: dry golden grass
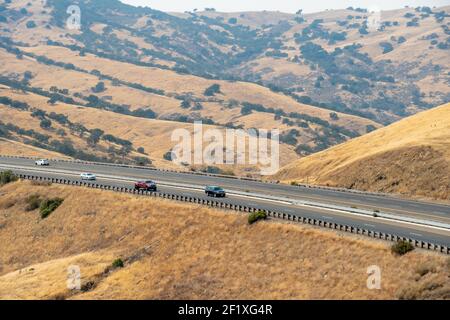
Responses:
[414,51]
[20,33]
[173,82]
[153,135]
[15,148]
[253,19]
[411,156]
[183,251]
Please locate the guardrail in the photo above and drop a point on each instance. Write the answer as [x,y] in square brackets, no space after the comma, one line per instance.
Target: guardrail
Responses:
[223,205]
[143,168]
[200,173]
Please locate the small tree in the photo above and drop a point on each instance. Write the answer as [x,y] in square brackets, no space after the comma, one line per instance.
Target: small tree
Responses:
[45,124]
[256,216]
[402,247]
[212,90]
[334,116]
[118,263]
[387,47]
[100,87]
[49,205]
[7,177]
[168,156]
[185,104]
[31,24]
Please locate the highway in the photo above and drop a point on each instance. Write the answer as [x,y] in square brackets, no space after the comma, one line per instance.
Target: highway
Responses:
[275,197]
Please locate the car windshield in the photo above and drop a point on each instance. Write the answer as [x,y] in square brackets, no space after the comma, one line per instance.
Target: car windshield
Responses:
[217,188]
[150,182]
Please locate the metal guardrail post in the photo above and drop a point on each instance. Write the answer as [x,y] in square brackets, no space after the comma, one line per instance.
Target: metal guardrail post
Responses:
[331,225]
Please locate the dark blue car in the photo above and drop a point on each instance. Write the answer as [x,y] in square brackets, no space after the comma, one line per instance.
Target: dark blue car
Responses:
[213,191]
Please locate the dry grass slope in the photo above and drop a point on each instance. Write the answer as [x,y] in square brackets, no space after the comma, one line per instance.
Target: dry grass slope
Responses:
[15,148]
[188,252]
[411,157]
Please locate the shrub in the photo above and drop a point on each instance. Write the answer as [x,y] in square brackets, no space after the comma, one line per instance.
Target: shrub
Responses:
[144,113]
[88,286]
[7,177]
[255,216]
[334,116]
[401,247]
[45,124]
[142,161]
[49,205]
[141,150]
[387,47]
[212,90]
[118,263]
[99,87]
[185,104]
[168,155]
[31,24]
[33,202]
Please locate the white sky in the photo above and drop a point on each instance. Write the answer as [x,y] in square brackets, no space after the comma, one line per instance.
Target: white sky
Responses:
[279,5]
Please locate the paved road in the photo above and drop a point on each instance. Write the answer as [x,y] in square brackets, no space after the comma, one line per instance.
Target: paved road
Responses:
[122,176]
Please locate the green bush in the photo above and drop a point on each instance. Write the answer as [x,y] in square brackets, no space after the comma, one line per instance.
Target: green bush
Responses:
[31,24]
[33,202]
[212,90]
[48,206]
[402,247]
[118,263]
[255,216]
[7,177]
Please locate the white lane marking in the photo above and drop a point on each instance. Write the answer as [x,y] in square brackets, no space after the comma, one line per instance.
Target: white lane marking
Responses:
[256,198]
[327,217]
[129,181]
[415,234]
[236,195]
[379,218]
[369,225]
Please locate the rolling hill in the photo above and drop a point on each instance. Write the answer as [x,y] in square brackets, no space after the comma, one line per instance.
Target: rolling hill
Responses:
[180,251]
[53,69]
[409,157]
[331,59]
[321,78]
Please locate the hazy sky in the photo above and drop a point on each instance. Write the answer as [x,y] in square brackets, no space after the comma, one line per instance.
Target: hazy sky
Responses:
[279,5]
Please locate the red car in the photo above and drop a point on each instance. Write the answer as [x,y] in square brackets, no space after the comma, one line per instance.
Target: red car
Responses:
[145,185]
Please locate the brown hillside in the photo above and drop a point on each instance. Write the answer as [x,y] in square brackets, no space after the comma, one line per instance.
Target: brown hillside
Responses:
[409,157]
[182,251]
[15,148]
[151,134]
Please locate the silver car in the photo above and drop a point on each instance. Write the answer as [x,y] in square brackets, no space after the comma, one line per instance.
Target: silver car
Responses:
[42,162]
[88,176]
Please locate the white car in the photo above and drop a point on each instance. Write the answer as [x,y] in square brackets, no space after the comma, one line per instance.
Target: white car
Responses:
[42,162]
[88,176]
